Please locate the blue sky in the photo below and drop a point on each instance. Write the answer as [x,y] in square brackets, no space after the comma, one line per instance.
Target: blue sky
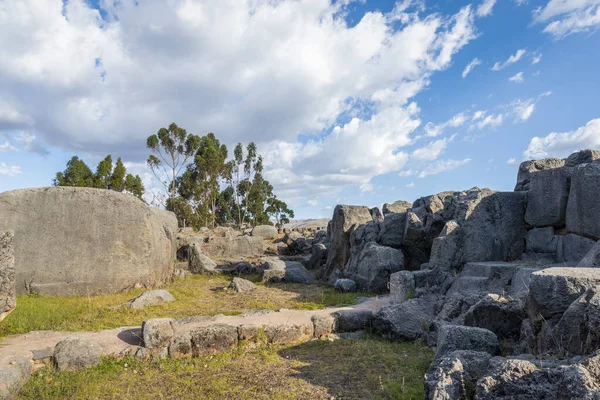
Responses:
[359,102]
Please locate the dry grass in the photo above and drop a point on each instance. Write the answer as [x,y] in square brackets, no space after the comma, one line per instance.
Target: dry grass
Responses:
[195,295]
[351,369]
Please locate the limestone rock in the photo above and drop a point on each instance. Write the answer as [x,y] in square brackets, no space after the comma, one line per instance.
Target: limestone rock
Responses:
[578,330]
[89,241]
[573,248]
[353,320]
[287,271]
[76,354]
[547,198]
[318,256]
[409,320]
[399,206]
[242,285]
[151,298]
[8,290]
[372,268]
[592,258]
[213,339]
[583,157]
[583,209]
[376,214]
[497,314]
[14,373]
[456,337]
[402,285]
[265,231]
[542,240]
[345,285]
[157,332]
[200,263]
[323,325]
[392,230]
[288,333]
[528,167]
[232,246]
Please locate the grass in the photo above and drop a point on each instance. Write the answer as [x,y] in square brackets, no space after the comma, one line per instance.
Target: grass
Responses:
[351,369]
[195,295]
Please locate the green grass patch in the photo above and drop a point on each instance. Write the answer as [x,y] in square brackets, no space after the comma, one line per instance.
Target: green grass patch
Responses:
[195,295]
[351,369]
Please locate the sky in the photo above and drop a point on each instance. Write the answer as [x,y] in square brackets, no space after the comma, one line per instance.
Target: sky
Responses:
[348,101]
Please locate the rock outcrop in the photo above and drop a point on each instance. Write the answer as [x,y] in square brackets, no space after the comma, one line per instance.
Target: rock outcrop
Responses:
[71,240]
[8,295]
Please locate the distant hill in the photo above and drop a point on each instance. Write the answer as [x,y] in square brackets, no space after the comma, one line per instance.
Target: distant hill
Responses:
[308,223]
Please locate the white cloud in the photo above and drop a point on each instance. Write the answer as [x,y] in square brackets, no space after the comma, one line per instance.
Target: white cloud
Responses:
[522,109]
[433,130]
[511,60]
[565,17]
[442,166]
[432,150]
[6,146]
[410,185]
[313,203]
[517,78]
[248,70]
[485,8]
[474,62]
[492,121]
[536,59]
[511,161]
[407,173]
[10,170]
[565,143]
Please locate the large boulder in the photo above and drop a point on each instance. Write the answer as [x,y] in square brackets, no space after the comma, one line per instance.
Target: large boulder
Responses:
[583,208]
[344,221]
[8,299]
[71,240]
[573,248]
[76,354]
[592,258]
[583,157]
[198,262]
[542,240]
[345,285]
[552,290]
[498,314]
[402,286]
[456,337]
[399,206]
[286,271]
[392,230]
[409,320]
[265,231]
[547,198]
[241,285]
[157,332]
[527,168]
[151,298]
[230,246]
[372,268]
[318,256]
[578,330]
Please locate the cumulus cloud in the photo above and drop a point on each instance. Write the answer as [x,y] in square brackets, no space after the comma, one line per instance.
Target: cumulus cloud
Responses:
[433,130]
[566,17]
[432,150]
[517,78]
[536,59]
[474,62]
[442,166]
[485,8]
[522,109]
[565,143]
[511,60]
[6,146]
[260,70]
[10,170]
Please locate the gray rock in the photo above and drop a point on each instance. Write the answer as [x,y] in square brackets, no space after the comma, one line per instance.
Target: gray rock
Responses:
[14,373]
[318,256]
[157,332]
[399,206]
[528,167]
[552,290]
[8,289]
[583,209]
[402,286]
[89,241]
[583,157]
[151,298]
[345,285]
[372,268]
[242,285]
[200,263]
[456,337]
[265,231]
[592,258]
[76,354]
[291,237]
[547,198]
[445,252]
[232,246]
[409,320]
[287,271]
[453,377]
[213,339]
[578,331]
[289,333]
[323,325]
[542,240]
[392,230]
[344,221]
[573,248]
[376,214]
[497,314]
[353,320]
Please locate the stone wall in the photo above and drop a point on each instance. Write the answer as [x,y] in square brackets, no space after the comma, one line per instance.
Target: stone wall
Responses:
[87,241]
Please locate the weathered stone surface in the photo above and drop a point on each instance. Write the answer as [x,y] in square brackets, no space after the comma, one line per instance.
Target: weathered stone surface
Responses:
[277,249]
[453,377]
[345,285]
[323,325]
[547,198]
[345,219]
[578,330]
[232,246]
[592,258]
[242,285]
[287,271]
[552,290]
[151,298]
[542,240]
[402,286]
[76,354]
[8,289]
[87,241]
[573,248]
[445,251]
[265,231]
[399,206]
[157,332]
[318,256]
[583,209]
[392,230]
[583,157]
[213,339]
[456,337]
[497,314]
[181,346]
[409,320]
[288,333]
[198,262]
[13,375]
[529,167]
[376,214]
[372,268]
[353,320]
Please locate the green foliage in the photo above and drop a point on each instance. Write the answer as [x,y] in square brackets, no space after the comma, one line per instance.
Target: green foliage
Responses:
[79,174]
[279,210]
